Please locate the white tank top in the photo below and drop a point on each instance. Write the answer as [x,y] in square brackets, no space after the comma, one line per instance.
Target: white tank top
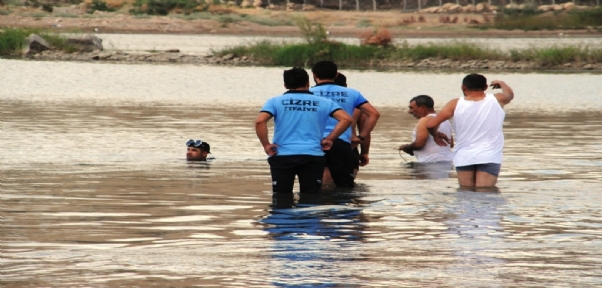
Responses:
[478,126]
[431,152]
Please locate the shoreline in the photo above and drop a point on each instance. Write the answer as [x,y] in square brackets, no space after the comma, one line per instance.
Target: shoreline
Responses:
[176,58]
[119,23]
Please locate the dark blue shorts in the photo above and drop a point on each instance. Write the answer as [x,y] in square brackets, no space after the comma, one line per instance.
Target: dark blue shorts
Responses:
[491,168]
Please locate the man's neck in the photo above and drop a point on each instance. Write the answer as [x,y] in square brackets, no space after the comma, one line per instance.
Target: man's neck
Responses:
[299,89]
[320,81]
[474,94]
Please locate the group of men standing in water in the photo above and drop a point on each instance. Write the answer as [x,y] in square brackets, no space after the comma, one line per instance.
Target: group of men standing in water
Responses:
[315,135]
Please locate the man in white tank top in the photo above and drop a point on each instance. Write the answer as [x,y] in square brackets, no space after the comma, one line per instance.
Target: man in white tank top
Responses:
[478,122]
[423,145]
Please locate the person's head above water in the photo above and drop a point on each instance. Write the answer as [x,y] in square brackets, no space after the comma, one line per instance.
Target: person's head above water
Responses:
[197,150]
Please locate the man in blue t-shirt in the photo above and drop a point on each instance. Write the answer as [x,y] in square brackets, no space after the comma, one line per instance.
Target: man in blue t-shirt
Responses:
[299,134]
[340,160]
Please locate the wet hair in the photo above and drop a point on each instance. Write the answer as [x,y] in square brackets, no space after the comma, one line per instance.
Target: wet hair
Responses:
[325,70]
[340,80]
[295,78]
[424,100]
[475,82]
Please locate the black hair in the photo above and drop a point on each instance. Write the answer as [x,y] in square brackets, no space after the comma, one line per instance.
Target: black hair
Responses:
[475,82]
[424,100]
[340,80]
[295,78]
[325,70]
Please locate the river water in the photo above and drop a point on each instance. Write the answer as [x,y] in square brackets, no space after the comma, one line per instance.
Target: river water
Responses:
[96,191]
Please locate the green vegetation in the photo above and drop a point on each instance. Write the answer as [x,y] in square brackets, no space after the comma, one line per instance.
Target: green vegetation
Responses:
[99,5]
[163,7]
[317,47]
[11,40]
[531,19]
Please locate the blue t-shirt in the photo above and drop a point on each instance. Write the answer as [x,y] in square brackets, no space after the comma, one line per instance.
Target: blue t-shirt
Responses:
[347,98]
[299,122]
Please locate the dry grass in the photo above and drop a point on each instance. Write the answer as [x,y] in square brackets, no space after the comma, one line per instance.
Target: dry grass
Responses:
[378,37]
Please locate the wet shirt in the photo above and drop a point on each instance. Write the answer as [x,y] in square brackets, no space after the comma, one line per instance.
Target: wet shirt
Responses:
[431,152]
[347,98]
[299,122]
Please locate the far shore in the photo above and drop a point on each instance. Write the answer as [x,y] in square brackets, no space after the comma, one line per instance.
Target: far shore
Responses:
[337,24]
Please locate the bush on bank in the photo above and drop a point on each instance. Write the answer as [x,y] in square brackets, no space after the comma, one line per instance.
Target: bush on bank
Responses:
[11,39]
[531,19]
[305,54]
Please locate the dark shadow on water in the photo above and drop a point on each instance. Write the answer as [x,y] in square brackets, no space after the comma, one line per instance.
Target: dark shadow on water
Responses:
[476,216]
[328,215]
[308,231]
[491,189]
[422,171]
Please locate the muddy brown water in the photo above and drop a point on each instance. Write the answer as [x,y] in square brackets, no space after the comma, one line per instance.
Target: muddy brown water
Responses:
[96,191]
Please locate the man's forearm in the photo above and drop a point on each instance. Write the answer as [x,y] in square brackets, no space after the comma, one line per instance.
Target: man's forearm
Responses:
[365,145]
[433,130]
[369,125]
[339,129]
[261,129]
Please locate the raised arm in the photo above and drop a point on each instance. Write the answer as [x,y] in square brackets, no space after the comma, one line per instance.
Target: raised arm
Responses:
[261,129]
[506,95]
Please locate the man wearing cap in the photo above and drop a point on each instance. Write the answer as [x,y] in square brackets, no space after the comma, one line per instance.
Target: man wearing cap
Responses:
[197,150]
[299,140]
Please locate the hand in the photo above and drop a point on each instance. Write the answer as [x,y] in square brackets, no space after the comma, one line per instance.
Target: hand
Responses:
[364,159]
[270,149]
[355,141]
[441,139]
[407,149]
[495,84]
[326,144]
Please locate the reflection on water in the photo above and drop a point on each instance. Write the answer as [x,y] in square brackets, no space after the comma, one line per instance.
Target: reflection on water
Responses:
[96,190]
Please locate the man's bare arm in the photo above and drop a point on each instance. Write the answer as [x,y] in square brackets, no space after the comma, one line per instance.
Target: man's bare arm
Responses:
[422,135]
[355,126]
[444,114]
[261,129]
[506,95]
[372,116]
[433,124]
[344,122]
